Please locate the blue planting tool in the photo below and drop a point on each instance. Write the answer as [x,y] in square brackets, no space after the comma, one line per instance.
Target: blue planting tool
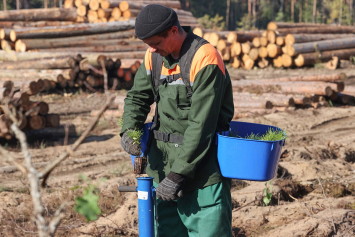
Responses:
[146,203]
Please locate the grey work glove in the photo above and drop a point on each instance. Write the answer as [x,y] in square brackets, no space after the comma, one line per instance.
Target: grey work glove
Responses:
[170,188]
[129,146]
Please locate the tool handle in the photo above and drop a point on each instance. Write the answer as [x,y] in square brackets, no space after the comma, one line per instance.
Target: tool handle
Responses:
[127,188]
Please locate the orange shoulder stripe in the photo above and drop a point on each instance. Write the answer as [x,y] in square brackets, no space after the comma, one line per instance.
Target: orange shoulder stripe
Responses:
[205,55]
[148,60]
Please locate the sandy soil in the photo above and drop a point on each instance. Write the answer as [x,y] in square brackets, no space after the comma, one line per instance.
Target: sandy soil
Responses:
[320,147]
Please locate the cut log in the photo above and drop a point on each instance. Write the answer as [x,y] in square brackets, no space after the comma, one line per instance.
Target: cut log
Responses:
[77,3]
[44,63]
[94,5]
[317,77]
[4,56]
[256,42]
[263,52]
[8,85]
[254,54]
[20,46]
[333,64]
[116,13]
[236,49]
[280,40]
[80,41]
[247,35]
[271,36]
[312,58]
[108,48]
[252,104]
[81,10]
[52,120]
[104,13]
[287,60]
[277,62]
[4,92]
[273,50]
[5,45]
[49,14]
[301,99]
[324,45]
[74,30]
[232,37]
[246,47]
[235,62]
[272,25]
[318,30]
[222,44]
[95,81]
[92,16]
[30,88]
[8,34]
[248,64]
[349,90]
[302,38]
[36,122]
[279,100]
[263,41]
[319,88]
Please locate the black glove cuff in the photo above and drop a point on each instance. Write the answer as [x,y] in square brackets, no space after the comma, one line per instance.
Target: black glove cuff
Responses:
[177,178]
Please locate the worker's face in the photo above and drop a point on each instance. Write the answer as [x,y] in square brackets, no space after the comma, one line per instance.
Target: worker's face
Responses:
[161,45]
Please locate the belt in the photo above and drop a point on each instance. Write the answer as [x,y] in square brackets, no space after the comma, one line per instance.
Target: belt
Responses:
[168,137]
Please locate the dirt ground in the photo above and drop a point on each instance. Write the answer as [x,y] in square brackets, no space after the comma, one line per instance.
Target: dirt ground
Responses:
[312,195]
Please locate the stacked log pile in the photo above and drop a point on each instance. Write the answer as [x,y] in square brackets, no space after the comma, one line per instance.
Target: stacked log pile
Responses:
[29,114]
[282,93]
[284,45]
[81,74]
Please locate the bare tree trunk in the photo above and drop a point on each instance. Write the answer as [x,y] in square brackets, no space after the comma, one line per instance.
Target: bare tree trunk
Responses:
[4,1]
[305,11]
[17,4]
[314,11]
[249,8]
[254,12]
[45,4]
[293,10]
[227,13]
[323,11]
[300,13]
[341,12]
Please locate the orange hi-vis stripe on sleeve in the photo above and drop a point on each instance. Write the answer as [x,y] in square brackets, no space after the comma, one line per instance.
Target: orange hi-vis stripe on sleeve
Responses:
[148,62]
[205,55]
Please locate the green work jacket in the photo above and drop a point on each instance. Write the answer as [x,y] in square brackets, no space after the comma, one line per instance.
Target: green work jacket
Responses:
[209,110]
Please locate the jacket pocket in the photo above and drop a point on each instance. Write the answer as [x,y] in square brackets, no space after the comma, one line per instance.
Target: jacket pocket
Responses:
[183,104]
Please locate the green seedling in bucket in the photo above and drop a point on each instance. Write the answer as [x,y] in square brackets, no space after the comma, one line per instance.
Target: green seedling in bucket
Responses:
[135,134]
[270,135]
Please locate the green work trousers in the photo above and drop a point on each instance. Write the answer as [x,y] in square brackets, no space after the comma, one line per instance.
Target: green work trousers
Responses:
[205,212]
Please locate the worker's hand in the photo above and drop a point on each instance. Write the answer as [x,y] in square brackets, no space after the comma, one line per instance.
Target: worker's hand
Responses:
[170,188]
[129,145]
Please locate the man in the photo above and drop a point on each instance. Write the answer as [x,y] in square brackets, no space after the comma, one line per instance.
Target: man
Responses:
[183,152]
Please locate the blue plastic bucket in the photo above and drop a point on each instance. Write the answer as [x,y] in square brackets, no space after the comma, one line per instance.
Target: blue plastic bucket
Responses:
[144,139]
[247,159]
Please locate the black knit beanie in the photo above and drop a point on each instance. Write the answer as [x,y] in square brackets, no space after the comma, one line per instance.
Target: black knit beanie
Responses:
[154,19]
